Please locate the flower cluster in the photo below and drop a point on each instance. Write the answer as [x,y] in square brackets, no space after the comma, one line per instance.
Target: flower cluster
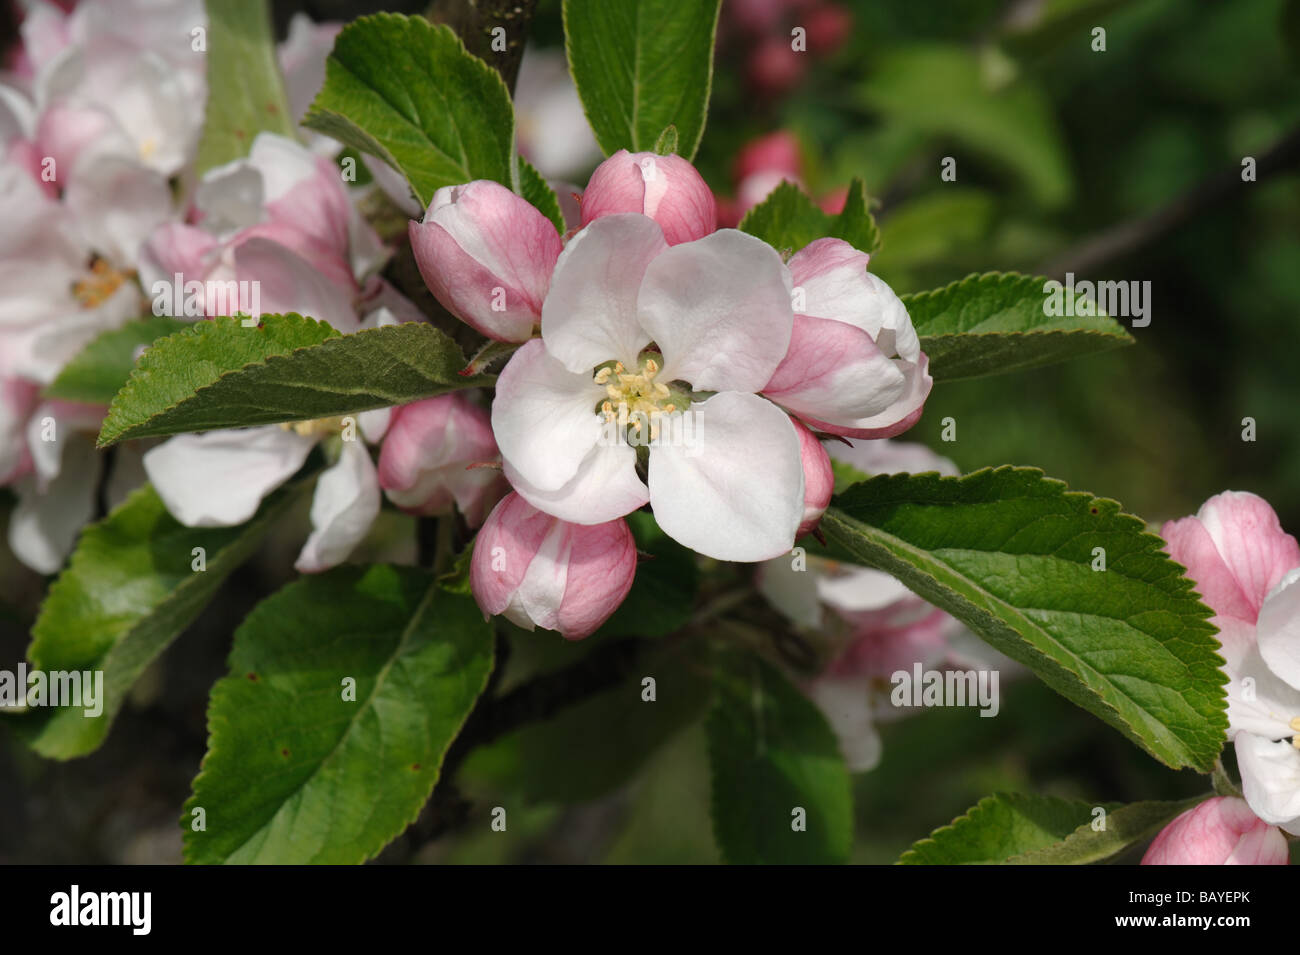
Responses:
[661,361]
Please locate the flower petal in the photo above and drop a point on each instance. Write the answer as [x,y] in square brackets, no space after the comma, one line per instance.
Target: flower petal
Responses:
[1278,631]
[895,419]
[735,492]
[1270,779]
[218,478]
[836,284]
[544,417]
[846,704]
[719,310]
[590,314]
[604,487]
[834,372]
[44,524]
[344,506]
[1248,536]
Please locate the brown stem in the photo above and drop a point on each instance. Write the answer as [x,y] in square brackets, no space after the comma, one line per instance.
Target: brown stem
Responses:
[474,22]
[1120,240]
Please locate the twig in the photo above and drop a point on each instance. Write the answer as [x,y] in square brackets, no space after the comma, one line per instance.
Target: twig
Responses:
[1127,237]
[474,22]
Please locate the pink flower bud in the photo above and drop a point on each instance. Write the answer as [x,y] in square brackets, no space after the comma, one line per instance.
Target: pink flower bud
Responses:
[544,572]
[818,479]
[427,459]
[665,188]
[1220,831]
[487,255]
[776,152]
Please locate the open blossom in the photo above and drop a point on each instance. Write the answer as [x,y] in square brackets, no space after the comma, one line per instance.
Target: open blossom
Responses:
[1220,831]
[878,626]
[1248,570]
[657,351]
[665,188]
[855,365]
[542,572]
[428,461]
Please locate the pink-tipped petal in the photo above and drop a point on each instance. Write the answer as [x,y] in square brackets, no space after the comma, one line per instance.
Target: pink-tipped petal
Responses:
[487,255]
[665,188]
[818,479]
[1220,831]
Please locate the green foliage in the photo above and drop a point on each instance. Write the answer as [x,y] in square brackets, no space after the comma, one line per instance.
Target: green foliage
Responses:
[772,756]
[1016,557]
[996,322]
[788,220]
[219,374]
[100,369]
[245,90]
[406,91]
[641,66]
[537,191]
[301,770]
[129,590]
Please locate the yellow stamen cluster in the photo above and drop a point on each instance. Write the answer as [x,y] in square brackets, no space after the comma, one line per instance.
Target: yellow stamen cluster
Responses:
[96,288]
[635,398]
[1295,725]
[314,428]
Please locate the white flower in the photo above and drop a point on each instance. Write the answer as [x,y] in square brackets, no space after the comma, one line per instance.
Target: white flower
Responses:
[570,406]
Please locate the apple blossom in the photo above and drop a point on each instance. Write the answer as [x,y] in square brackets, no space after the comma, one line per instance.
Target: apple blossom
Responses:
[583,411]
[427,461]
[487,256]
[855,365]
[665,188]
[542,572]
[818,479]
[1248,570]
[1220,831]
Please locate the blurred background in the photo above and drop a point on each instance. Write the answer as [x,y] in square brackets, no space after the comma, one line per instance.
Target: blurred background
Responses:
[1122,164]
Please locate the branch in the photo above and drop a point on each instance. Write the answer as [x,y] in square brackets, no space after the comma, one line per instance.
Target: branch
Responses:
[1122,239]
[474,21]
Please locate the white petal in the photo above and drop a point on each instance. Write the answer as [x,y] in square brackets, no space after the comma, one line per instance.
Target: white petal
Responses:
[605,486]
[544,417]
[1265,705]
[854,589]
[218,478]
[846,704]
[44,525]
[590,313]
[119,204]
[1270,779]
[719,310]
[791,591]
[734,492]
[346,503]
[1278,630]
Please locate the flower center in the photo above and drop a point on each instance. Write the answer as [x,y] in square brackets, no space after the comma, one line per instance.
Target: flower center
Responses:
[315,428]
[1295,725]
[97,287]
[635,399]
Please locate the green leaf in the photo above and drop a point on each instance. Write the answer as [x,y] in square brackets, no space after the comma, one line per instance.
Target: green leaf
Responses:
[537,191]
[219,374]
[772,753]
[640,66]
[666,144]
[102,367]
[245,89]
[997,322]
[662,598]
[128,591]
[1012,553]
[298,772]
[999,827]
[406,91]
[788,220]
[1126,826]
[591,748]
[948,93]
